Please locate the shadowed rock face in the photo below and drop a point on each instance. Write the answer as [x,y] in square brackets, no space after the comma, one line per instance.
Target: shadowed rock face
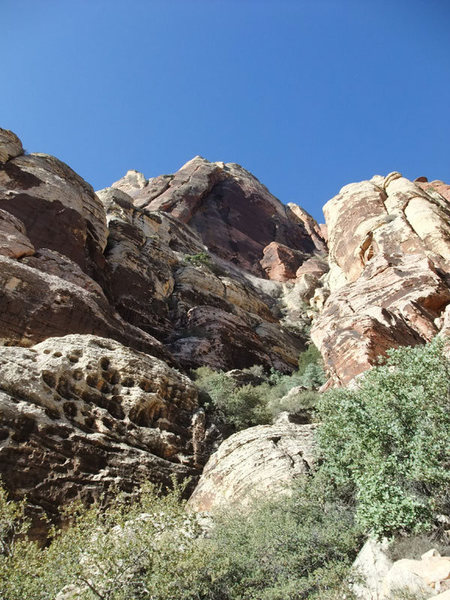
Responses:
[235,216]
[81,413]
[389,242]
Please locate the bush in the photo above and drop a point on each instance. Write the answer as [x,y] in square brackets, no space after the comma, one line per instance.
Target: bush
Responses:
[238,407]
[198,260]
[143,549]
[285,548]
[386,444]
[300,402]
[282,549]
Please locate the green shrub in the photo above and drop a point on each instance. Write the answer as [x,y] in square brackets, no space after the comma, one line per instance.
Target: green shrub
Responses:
[311,356]
[199,259]
[386,444]
[284,549]
[239,407]
[280,549]
[301,402]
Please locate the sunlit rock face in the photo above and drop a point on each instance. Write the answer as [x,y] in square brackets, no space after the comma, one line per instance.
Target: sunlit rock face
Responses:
[389,244]
[235,215]
[257,461]
[81,414]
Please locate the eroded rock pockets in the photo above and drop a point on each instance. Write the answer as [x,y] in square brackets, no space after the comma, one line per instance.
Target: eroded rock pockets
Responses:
[82,414]
[389,243]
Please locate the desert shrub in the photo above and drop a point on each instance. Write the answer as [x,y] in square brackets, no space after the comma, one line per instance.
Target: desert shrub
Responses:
[284,548]
[301,402]
[309,356]
[313,376]
[386,443]
[241,407]
[143,549]
[238,407]
[199,259]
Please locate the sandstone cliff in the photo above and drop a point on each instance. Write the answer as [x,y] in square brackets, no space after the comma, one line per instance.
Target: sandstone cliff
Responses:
[103,295]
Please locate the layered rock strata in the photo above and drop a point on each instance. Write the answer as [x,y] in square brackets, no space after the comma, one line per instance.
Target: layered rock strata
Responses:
[389,243]
[233,213]
[259,460]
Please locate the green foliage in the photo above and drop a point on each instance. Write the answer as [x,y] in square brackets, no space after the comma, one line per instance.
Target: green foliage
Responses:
[143,549]
[286,548]
[298,403]
[289,548]
[311,356]
[199,259]
[386,444]
[239,407]
[242,407]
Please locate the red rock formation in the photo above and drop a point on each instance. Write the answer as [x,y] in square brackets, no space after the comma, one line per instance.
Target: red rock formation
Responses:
[389,242]
[233,213]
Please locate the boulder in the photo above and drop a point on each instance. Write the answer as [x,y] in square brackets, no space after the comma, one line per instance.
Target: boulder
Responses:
[370,568]
[10,145]
[259,460]
[13,239]
[429,575]
[81,415]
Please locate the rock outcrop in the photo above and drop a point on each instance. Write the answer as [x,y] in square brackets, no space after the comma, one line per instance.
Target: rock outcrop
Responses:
[233,213]
[81,414]
[389,242]
[73,261]
[262,459]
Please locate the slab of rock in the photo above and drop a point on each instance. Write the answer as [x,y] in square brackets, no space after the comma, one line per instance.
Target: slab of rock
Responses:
[281,262]
[429,575]
[233,213]
[13,239]
[81,414]
[259,460]
[370,568]
[395,302]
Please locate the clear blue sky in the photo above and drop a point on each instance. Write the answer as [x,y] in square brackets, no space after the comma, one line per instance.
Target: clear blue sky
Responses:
[307,94]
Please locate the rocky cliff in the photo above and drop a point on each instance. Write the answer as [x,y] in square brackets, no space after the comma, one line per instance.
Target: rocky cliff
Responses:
[106,297]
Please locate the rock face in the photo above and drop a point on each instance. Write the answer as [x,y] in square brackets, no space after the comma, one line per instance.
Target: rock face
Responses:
[80,414]
[389,242]
[73,261]
[254,461]
[233,213]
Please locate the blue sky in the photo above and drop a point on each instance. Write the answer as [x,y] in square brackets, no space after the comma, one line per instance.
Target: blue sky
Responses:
[309,95]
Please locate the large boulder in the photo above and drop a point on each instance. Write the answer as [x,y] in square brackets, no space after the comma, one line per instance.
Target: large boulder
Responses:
[80,415]
[260,460]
